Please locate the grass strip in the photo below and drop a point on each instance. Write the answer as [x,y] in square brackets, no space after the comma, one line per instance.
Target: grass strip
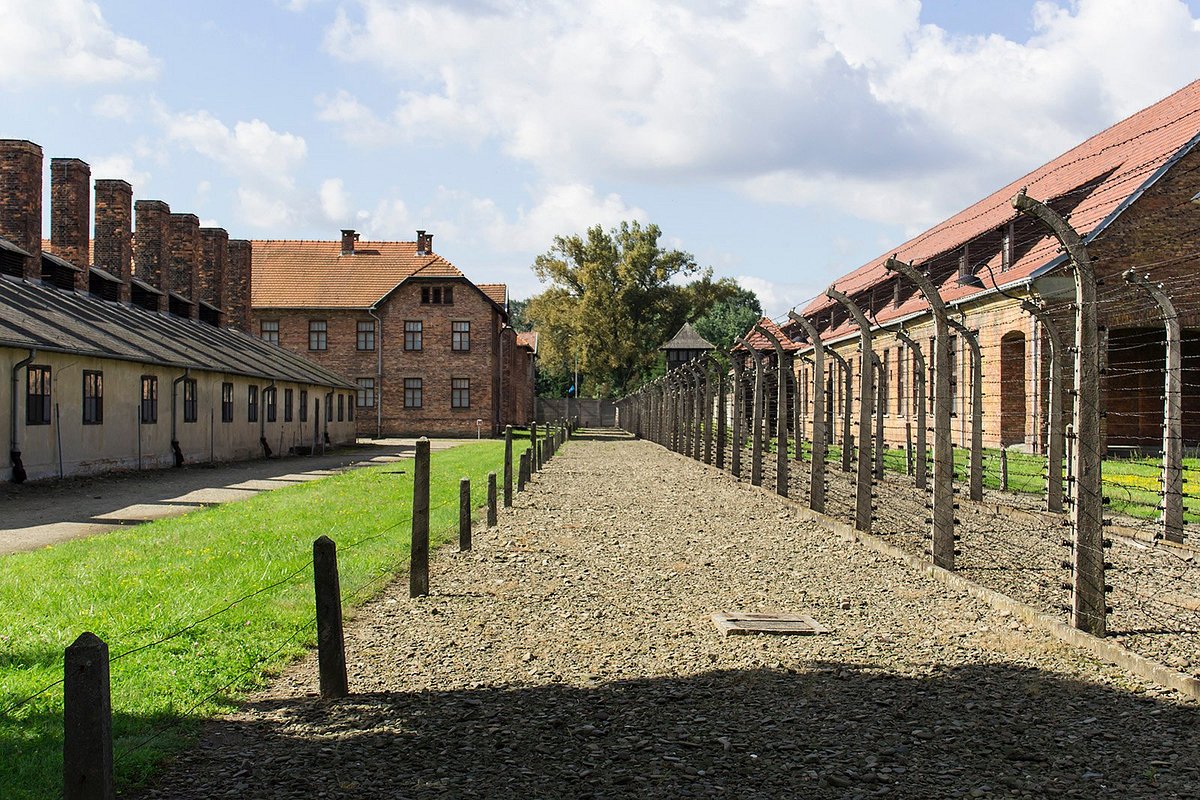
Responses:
[198,609]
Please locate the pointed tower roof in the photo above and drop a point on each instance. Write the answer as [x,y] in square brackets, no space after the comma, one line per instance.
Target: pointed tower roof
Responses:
[688,339]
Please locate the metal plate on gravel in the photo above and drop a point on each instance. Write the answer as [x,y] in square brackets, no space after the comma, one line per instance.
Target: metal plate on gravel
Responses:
[746,622]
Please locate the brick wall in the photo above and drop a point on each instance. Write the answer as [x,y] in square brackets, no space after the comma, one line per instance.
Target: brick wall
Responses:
[113,246]
[183,275]
[239,264]
[151,253]
[214,270]
[21,201]
[70,214]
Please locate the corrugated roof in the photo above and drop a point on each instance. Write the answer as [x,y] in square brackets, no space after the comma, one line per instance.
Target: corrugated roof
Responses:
[41,317]
[528,339]
[314,274]
[686,338]
[1095,178]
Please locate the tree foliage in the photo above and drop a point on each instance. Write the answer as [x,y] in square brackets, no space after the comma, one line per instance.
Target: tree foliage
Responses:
[613,298]
[729,318]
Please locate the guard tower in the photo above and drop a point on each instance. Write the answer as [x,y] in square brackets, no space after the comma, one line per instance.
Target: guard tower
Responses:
[684,346]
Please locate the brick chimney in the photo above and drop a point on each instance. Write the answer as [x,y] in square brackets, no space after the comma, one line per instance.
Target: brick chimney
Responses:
[420,243]
[349,237]
[429,244]
[214,270]
[239,264]
[70,215]
[151,256]
[183,276]
[114,234]
[21,202]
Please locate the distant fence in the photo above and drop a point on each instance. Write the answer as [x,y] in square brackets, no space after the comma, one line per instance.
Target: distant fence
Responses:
[589,413]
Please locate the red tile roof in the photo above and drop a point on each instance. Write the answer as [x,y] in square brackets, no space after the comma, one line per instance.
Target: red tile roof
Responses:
[496,292]
[1096,177]
[314,274]
[760,342]
[528,339]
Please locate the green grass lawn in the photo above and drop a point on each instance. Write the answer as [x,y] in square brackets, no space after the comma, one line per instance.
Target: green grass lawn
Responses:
[198,609]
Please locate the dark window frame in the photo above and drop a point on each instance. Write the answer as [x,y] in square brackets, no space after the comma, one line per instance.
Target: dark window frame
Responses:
[271,403]
[341,407]
[414,393]
[252,403]
[318,334]
[289,399]
[38,391]
[365,335]
[149,407]
[189,400]
[226,402]
[366,392]
[460,393]
[93,397]
[414,332]
[269,335]
[460,337]
[303,405]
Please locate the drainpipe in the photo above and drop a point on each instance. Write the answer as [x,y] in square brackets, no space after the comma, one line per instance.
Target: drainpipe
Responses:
[18,468]
[262,419]
[175,416]
[378,372]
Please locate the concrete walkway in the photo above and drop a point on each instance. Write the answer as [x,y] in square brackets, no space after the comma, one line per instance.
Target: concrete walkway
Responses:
[42,513]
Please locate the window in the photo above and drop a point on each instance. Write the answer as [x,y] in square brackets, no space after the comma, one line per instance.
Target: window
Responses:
[288,397]
[37,396]
[412,334]
[366,334]
[268,330]
[460,336]
[149,399]
[269,396]
[93,397]
[304,405]
[885,381]
[189,400]
[412,393]
[437,295]
[366,392]
[226,402]
[900,410]
[341,407]
[350,407]
[460,392]
[252,403]
[318,334]
[329,407]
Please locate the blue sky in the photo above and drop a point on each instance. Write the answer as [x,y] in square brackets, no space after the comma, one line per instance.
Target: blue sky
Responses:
[783,142]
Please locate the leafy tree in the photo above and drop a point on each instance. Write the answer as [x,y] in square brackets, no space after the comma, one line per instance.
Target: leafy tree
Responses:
[517,317]
[614,297]
[729,318]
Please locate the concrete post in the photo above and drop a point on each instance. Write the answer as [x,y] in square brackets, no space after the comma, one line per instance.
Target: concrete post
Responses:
[816,486]
[491,500]
[919,471]
[331,647]
[709,394]
[1088,605]
[756,424]
[866,398]
[783,367]
[418,574]
[738,411]
[508,466]
[722,424]
[87,721]
[943,449]
[464,514]
[877,367]
[975,479]
[1172,436]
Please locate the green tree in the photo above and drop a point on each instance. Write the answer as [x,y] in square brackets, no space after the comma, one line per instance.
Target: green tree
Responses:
[614,297]
[729,318]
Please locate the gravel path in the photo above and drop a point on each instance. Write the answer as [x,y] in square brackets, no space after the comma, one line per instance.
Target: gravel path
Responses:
[571,655]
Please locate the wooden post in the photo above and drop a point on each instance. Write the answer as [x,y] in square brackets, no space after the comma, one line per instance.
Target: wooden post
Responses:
[975,477]
[522,469]
[782,368]
[491,500]
[908,449]
[464,514]
[919,467]
[866,398]
[816,485]
[1088,603]
[1003,470]
[418,574]
[943,445]
[87,721]
[331,646]
[534,463]
[1172,432]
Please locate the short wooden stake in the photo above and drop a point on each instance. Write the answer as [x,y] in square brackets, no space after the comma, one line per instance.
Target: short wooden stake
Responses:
[418,574]
[491,500]
[87,721]
[508,466]
[522,469]
[331,647]
[1003,469]
[533,445]
[464,514]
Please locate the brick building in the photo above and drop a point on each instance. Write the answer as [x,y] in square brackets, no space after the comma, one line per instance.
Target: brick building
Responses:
[123,353]
[1133,193]
[430,352]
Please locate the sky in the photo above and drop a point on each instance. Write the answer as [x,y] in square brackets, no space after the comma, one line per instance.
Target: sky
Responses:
[781,142]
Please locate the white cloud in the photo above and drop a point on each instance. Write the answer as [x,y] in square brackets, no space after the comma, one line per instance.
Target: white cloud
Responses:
[121,167]
[114,106]
[249,147]
[264,210]
[778,298]
[335,201]
[776,98]
[66,41]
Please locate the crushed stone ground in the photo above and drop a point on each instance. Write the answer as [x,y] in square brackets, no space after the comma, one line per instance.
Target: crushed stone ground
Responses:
[571,655]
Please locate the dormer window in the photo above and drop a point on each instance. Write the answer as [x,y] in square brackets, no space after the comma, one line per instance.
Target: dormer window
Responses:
[437,295]
[964,261]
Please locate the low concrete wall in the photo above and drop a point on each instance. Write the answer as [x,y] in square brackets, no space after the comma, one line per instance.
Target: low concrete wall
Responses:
[589,413]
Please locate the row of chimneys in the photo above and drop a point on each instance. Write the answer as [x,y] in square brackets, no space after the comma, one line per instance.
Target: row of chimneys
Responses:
[424,242]
[171,255]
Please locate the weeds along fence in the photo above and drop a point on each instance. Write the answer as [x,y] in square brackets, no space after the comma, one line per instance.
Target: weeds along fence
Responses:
[89,755]
[882,425]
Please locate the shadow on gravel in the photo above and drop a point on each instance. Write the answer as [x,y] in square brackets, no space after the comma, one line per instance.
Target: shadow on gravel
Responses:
[831,731]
